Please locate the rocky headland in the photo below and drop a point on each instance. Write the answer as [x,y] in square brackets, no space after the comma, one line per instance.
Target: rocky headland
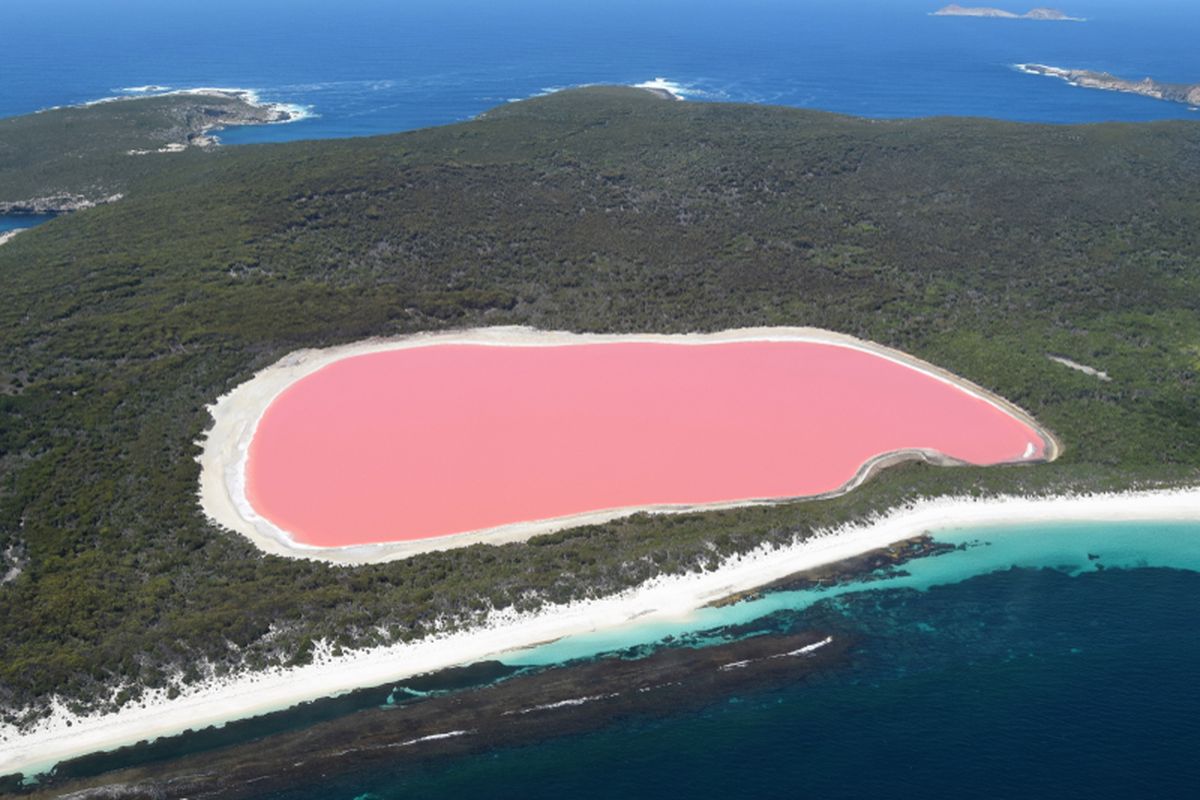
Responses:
[78,157]
[1188,93]
[213,110]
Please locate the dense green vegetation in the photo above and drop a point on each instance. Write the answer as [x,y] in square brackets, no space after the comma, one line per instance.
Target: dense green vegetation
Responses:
[981,246]
[65,155]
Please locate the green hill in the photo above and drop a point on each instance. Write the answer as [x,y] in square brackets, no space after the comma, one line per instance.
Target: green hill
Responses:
[981,246]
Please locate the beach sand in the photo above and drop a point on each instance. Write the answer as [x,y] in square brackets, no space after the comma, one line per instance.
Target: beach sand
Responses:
[64,735]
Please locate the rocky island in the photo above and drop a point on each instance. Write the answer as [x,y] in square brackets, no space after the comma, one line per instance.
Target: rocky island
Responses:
[1175,92]
[1045,14]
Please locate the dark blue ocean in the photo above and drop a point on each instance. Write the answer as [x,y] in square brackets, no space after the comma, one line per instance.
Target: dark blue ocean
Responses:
[1053,660]
[1020,669]
[1016,684]
[378,66]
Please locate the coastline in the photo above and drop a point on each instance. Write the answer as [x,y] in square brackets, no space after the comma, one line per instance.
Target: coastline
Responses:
[191,119]
[663,88]
[261,112]
[225,448]
[284,112]
[1186,94]
[64,735]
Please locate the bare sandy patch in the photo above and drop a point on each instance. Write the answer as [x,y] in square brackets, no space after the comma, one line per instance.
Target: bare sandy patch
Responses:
[1084,368]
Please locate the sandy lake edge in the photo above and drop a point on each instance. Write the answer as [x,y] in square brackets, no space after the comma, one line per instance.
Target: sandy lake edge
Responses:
[236,415]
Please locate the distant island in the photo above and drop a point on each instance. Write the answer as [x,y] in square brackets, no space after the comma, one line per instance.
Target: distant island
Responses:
[1175,92]
[1046,14]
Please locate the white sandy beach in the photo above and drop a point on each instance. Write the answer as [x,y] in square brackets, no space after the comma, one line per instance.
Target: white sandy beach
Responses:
[236,416]
[8,236]
[64,735]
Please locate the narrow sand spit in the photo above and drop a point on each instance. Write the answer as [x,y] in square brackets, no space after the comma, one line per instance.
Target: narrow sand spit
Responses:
[237,414]
[64,735]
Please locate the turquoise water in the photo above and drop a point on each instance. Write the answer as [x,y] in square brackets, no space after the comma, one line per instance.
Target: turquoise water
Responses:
[1042,661]
[1019,666]
[1066,547]
[1069,648]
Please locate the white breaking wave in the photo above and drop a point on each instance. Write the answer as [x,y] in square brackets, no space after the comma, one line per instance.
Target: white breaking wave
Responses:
[802,651]
[677,90]
[574,701]
[295,111]
[433,737]
[808,648]
[692,90]
[680,91]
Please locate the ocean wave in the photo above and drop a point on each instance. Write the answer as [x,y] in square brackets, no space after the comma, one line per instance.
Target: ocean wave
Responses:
[809,648]
[574,701]
[673,88]
[433,737]
[697,89]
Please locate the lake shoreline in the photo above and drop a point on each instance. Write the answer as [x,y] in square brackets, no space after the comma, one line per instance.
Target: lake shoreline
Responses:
[236,416]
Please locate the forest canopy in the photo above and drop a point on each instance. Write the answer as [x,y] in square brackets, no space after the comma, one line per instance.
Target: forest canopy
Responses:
[981,246]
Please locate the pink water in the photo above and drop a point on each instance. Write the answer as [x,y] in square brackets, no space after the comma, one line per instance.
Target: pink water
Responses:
[443,439]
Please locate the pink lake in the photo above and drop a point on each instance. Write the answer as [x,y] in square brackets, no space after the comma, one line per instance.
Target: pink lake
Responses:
[442,439]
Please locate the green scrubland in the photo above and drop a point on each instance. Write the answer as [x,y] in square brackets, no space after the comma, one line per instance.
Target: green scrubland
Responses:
[981,246]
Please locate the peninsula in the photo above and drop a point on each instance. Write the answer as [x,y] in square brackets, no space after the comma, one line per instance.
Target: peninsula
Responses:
[1043,14]
[76,157]
[1188,93]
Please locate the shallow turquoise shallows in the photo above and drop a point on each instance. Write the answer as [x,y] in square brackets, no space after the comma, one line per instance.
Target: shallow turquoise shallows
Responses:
[1069,547]
[1052,661]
